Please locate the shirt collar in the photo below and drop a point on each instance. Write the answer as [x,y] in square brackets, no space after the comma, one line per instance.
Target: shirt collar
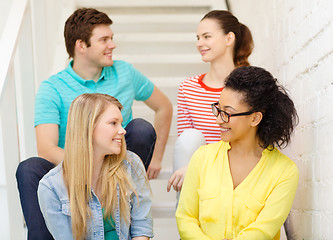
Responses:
[79,79]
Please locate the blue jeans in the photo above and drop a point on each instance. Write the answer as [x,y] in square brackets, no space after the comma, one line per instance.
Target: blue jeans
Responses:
[140,139]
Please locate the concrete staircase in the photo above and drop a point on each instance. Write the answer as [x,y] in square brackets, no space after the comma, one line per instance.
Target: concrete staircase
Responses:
[158,38]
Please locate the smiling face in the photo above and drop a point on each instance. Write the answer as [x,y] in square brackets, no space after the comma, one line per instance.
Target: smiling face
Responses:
[238,128]
[212,42]
[108,133]
[99,53]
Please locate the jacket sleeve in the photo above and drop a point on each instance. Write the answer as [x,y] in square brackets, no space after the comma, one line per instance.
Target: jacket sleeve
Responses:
[184,120]
[187,214]
[141,216]
[57,222]
[275,210]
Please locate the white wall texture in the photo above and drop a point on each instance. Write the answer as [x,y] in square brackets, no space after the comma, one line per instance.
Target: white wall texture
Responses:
[294,41]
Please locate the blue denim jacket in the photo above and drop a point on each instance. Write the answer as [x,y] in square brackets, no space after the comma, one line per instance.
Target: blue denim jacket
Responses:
[54,204]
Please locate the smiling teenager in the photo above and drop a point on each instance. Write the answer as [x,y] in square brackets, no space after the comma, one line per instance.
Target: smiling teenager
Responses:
[243,187]
[99,191]
[90,45]
[225,44]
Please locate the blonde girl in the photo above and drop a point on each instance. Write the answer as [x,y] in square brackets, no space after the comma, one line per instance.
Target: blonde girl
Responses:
[100,190]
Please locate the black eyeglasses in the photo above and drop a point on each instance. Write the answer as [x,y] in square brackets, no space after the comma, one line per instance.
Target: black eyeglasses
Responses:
[224,115]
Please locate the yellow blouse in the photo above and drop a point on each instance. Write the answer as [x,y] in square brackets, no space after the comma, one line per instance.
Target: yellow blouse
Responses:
[209,207]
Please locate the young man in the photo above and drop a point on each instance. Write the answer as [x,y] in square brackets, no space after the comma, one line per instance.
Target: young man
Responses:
[89,41]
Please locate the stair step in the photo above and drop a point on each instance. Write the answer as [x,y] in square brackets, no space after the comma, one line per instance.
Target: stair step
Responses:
[158,48]
[164,209]
[155,22]
[143,111]
[156,43]
[144,37]
[143,3]
[166,82]
[160,58]
[169,90]
[156,18]
[152,27]
[165,174]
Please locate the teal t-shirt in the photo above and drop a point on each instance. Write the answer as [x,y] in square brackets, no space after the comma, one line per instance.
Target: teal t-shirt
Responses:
[55,95]
[109,229]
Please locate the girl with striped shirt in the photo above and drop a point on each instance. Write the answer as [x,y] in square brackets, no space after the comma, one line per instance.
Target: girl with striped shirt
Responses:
[226,44]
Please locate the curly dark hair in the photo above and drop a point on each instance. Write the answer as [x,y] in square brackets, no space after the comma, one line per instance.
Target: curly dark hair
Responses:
[263,94]
[80,26]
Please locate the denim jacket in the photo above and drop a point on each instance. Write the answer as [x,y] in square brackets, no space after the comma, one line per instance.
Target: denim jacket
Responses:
[54,204]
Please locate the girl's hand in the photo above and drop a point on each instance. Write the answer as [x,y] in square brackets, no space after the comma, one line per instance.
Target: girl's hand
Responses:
[177,179]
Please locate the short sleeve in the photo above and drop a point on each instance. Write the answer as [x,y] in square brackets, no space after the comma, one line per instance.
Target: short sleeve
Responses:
[143,87]
[47,105]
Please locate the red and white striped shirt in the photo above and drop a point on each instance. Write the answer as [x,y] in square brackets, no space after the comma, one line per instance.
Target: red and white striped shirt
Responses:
[194,108]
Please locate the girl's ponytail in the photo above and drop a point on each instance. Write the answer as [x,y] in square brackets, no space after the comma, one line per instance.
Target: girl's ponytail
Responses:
[244,46]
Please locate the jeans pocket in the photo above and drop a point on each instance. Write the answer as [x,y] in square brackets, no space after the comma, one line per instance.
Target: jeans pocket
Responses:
[65,208]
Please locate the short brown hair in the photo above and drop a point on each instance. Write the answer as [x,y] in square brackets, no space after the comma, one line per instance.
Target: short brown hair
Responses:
[80,26]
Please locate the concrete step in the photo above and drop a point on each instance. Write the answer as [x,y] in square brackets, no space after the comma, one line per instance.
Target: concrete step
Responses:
[167,163]
[170,18]
[156,47]
[165,229]
[168,82]
[148,114]
[159,191]
[154,27]
[171,69]
[165,174]
[149,37]
[155,22]
[143,3]
[171,65]
[150,58]
[164,209]
[170,91]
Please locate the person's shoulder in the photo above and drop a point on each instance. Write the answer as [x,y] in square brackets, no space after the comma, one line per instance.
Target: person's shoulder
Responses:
[55,78]
[210,151]
[133,164]
[132,160]
[281,162]
[217,146]
[54,177]
[281,157]
[191,80]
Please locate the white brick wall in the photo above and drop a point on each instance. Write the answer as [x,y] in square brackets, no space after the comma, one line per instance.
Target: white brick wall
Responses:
[294,41]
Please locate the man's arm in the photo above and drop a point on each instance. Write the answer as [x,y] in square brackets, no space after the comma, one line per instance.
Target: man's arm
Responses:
[163,114]
[47,143]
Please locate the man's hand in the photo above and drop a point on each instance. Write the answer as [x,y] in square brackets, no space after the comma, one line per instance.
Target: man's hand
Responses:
[177,179]
[154,168]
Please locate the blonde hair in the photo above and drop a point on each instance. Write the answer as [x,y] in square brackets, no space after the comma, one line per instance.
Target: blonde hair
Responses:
[83,115]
